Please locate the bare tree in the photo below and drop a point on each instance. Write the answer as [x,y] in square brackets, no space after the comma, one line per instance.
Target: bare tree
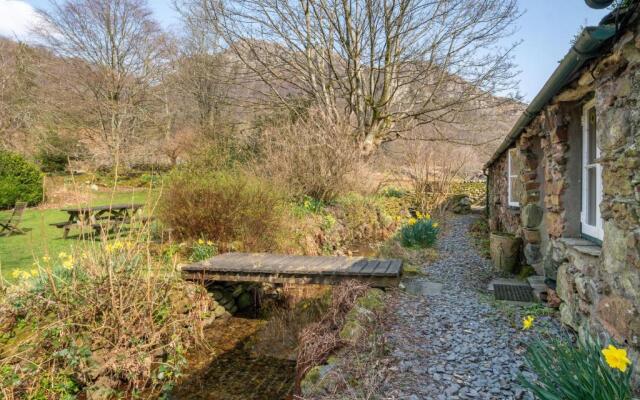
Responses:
[200,69]
[18,90]
[113,50]
[390,65]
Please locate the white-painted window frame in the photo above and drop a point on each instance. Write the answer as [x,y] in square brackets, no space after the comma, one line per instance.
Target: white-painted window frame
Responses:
[510,176]
[595,231]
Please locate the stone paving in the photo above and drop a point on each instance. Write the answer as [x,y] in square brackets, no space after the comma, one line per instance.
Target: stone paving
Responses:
[448,342]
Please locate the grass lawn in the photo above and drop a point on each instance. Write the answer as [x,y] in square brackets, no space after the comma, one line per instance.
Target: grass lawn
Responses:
[19,251]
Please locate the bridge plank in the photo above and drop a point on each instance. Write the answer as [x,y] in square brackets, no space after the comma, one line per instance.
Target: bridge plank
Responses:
[264,267]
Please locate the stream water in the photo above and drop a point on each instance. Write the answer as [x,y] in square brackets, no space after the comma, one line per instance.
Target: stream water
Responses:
[255,358]
[231,370]
[249,358]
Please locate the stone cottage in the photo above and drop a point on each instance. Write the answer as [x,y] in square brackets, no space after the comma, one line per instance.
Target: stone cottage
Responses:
[567,179]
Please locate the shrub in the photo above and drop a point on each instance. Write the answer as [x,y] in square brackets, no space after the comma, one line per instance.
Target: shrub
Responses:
[20,180]
[419,232]
[231,208]
[565,371]
[314,156]
[55,152]
[104,320]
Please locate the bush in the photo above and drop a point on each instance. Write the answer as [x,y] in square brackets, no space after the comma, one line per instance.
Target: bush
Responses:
[20,180]
[105,322]
[56,152]
[234,209]
[419,232]
[576,372]
[315,156]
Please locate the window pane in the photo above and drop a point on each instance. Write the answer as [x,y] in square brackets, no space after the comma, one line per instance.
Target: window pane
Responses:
[591,196]
[516,189]
[591,133]
[516,162]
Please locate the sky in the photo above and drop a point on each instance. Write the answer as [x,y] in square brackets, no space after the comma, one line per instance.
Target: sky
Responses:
[545,31]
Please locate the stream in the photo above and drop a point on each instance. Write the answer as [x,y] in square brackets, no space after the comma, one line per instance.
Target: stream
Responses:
[251,357]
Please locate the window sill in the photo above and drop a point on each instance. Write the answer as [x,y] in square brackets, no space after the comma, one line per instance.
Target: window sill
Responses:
[583,246]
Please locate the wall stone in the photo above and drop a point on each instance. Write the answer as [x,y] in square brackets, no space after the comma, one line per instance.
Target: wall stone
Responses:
[599,285]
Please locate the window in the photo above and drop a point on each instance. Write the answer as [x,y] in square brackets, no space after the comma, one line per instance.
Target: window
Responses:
[513,176]
[590,219]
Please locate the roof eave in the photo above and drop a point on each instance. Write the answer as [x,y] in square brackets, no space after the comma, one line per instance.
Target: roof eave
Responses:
[589,44]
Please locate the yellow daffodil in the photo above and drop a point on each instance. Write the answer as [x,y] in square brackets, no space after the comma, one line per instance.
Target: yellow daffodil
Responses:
[62,255]
[200,241]
[616,358]
[67,263]
[20,274]
[34,272]
[412,221]
[111,247]
[46,259]
[209,243]
[427,216]
[527,322]
[419,215]
[435,224]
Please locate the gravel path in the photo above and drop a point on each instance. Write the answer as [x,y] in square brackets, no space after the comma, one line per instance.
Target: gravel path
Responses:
[448,342]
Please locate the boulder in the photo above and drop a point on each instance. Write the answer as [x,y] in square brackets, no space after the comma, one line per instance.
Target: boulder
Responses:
[531,215]
[460,204]
[532,253]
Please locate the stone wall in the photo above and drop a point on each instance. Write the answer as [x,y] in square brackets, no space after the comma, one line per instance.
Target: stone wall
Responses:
[504,218]
[599,285]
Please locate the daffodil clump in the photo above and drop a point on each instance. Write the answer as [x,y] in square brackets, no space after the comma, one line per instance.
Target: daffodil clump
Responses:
[585,370]
[419,231]
[202,250]
[43,267]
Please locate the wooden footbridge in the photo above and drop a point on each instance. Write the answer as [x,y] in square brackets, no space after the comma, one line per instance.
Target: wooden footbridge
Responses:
[263,267]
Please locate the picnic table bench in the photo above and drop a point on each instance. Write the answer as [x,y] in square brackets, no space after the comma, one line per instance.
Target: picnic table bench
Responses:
[97,218]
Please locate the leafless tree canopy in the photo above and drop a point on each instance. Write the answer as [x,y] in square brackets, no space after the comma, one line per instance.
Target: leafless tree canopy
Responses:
[389,64]
[114,54]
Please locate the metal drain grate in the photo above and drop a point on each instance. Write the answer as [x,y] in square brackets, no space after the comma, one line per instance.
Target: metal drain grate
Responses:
[513,291]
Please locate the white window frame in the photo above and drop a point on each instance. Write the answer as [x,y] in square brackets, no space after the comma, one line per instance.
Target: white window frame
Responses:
[510,176]
[595,231]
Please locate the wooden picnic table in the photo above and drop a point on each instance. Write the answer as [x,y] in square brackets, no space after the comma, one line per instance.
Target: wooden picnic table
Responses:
[97,217]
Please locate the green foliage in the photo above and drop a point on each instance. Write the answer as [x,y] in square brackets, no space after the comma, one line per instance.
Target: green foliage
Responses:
[70,333]
[236,210]
[202,250]
[55,152]
[475,190]
[20,180]
[421,233]
[574,372]
[394,192]
[308,205]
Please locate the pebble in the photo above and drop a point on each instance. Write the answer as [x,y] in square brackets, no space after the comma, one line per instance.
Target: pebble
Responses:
[453,344]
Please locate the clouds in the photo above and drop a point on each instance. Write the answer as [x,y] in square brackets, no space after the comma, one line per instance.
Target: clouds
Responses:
[17,18]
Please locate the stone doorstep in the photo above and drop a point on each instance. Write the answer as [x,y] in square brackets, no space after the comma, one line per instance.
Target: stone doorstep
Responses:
[582,246]
[539,287]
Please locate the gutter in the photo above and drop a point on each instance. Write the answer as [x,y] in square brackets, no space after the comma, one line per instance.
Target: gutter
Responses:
[587,46]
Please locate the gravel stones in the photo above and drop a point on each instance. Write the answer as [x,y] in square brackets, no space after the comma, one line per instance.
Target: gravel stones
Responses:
[452,344]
